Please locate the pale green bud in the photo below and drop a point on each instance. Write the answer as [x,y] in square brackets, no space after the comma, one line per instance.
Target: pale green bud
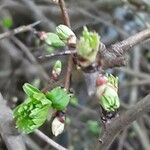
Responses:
[107,92]
[66,34]
[51,39]
[109,100]
[57,69]
[88,45]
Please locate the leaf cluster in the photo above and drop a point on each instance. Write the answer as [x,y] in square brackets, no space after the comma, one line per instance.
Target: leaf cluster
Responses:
[33,112]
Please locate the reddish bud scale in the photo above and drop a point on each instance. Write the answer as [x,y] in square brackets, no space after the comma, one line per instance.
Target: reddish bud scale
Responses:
[101,80]
[55,77]
[42,35]
[61,116]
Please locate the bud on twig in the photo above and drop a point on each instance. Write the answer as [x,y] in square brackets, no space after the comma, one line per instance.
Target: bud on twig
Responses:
[58,125]
[51,39]
[66,34]
[57,69]
[59,98]
[87,47]
[107,92]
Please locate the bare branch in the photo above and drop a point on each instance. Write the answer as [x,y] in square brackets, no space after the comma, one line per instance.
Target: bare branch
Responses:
[125,45]
[48,140]
[114,56]
[9,133]
[66,52]
[19,30]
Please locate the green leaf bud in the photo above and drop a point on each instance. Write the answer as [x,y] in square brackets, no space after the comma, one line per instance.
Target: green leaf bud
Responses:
[54,40]
[107,92]
[57,69]
[51,39]
[59,98]
[110,100]
[66,34]
[88,46]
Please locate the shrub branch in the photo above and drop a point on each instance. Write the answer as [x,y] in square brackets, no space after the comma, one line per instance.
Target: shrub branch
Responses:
[124,120]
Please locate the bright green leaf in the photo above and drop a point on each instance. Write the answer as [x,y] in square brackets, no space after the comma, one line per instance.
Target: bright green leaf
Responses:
[59,98]
[33,112]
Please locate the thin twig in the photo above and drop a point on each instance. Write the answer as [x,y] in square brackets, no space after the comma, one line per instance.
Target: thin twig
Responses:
[66,52]
[143,137]
[19,30]
[48,140]
[51,81]
[38,14]
[122,139]
[134,98]
[136,67]
[70,62]
[42,73]
[64,13]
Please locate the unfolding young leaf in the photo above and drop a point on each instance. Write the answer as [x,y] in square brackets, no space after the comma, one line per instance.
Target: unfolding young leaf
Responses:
[59,98]
[33,112]
[88,45]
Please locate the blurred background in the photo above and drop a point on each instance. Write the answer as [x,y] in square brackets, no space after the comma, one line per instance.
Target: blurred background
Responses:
[114,20]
